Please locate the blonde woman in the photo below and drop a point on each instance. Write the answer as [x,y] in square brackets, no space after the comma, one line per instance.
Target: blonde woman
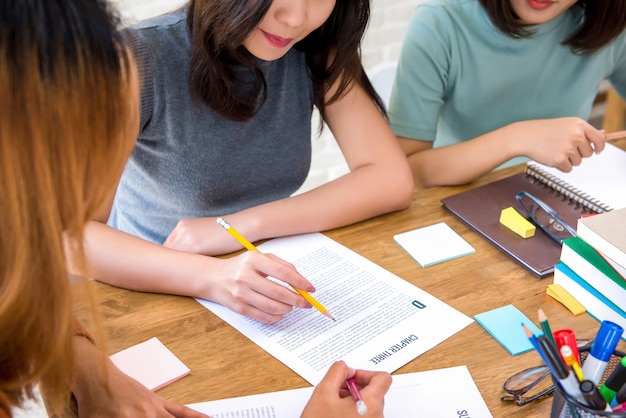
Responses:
[68,120]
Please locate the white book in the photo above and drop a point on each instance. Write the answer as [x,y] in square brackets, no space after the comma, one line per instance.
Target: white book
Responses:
[593,268]
[606,232]
[598,183]
[595,304]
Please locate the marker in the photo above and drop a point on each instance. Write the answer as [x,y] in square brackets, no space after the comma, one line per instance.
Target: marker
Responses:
[361,408]
[620,396]
[545,326]
[559,370]
[592,396]
[603,346]
[249,246]
[567,337]
[620,408]
[568,357]
[614,382]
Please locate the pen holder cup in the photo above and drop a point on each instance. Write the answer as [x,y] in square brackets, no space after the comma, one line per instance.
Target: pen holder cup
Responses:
[565,406]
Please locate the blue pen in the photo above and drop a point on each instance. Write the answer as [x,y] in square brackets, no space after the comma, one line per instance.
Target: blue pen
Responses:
[603,347]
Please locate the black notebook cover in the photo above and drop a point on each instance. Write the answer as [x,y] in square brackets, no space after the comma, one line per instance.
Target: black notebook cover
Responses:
[480,209]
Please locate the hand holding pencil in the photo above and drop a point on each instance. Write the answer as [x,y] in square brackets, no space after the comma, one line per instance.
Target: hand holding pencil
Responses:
[332,397]
[304,292]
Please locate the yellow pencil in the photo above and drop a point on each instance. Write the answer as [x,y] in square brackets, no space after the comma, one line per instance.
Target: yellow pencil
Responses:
[250,247]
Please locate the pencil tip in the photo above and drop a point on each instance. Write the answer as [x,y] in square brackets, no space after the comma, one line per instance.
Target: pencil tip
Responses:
[541,314]
[527,330]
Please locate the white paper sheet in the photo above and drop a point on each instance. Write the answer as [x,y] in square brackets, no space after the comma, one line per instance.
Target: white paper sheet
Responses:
[447,392]
[382,321]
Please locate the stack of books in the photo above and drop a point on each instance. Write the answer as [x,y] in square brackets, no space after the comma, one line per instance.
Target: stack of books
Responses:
[592,266]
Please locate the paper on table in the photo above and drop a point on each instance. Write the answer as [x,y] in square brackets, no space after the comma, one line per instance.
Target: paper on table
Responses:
[434,244]
[434,393]
[150,363]
[382,321]
[505,325]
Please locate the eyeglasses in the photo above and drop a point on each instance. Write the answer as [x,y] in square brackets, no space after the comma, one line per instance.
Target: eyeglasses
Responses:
[535,381]
[545,217]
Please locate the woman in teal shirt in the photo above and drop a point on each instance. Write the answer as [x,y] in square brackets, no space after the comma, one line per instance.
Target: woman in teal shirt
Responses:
[481,83]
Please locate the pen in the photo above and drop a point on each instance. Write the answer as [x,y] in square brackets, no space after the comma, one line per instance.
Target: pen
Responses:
[592,397]
[570,360]
[545,326]
[566,377]
[567,337]
[249,246]
[361,408]
[620,396]
[615,135]
[614,382]
[603,346]
[620,408]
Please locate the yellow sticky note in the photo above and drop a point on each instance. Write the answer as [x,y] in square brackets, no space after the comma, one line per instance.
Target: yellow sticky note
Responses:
[511,218]
[563,296]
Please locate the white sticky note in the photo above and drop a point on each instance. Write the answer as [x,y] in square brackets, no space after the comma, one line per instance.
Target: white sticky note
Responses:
[433,244]
[150,363]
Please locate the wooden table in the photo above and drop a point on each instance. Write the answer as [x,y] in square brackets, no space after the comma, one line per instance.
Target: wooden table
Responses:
[224,363]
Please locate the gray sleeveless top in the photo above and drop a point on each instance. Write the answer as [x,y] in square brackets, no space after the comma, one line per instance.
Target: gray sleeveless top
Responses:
[191,162]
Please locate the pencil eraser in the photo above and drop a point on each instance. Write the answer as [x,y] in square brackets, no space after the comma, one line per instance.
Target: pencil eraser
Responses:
[511,218]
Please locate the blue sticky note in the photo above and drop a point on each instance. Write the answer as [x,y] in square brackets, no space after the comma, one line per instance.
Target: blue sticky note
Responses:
[505,325]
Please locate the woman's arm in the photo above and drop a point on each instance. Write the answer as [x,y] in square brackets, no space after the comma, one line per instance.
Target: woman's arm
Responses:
[560,143]
[379,181]
[239,283]
[102,390]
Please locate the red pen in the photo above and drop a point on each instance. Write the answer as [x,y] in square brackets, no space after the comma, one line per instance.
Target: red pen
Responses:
[361,408]
[567,337]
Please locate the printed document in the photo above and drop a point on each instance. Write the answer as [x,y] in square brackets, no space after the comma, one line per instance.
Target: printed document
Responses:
[381,321]
[447,392]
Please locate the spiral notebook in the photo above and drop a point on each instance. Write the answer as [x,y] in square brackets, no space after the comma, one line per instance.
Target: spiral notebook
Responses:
[480,207]
[598,183]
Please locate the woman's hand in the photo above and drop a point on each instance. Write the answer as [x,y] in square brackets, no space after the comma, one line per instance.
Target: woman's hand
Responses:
[561,143]
[331,398]
[201,236]
[103,390]
[241,284]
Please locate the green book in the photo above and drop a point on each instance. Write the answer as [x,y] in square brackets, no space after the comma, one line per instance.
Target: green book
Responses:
[587,263]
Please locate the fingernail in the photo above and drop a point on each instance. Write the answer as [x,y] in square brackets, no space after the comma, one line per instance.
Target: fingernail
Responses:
[310,289]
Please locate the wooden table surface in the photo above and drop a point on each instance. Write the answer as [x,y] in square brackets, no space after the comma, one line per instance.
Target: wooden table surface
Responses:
[224,363]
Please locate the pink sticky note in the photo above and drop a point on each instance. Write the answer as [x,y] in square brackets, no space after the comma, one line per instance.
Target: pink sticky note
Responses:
[151,364]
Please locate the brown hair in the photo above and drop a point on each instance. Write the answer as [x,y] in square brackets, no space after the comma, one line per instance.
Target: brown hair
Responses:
[602,22]
[218,29]
[65,121]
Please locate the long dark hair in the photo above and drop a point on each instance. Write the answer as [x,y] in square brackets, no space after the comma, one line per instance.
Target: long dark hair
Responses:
[218,29]
[603,21]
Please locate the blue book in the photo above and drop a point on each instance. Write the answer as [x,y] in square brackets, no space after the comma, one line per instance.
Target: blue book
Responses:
[597,305]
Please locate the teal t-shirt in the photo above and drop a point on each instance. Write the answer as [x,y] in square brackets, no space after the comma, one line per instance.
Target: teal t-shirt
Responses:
[459,76]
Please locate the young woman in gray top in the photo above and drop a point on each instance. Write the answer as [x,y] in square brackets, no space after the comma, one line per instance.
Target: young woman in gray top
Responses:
[228,93]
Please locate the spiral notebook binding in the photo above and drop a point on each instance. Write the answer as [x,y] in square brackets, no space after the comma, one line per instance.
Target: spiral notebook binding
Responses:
[567,190]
